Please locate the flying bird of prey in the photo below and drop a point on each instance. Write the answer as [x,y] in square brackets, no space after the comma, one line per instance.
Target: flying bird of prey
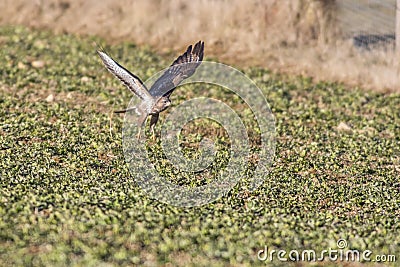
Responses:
[157,99]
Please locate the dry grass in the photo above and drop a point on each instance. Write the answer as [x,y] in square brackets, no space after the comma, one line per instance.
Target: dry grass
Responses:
[290,36]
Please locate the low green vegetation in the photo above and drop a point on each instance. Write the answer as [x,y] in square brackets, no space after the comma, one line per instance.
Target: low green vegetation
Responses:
[67,197]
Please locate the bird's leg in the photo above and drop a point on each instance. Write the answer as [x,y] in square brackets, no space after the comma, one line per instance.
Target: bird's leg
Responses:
[153,134]
[140,123]
[138,134]
[153,121]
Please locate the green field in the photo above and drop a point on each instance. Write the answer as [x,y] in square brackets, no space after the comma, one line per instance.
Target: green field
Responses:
[67,197]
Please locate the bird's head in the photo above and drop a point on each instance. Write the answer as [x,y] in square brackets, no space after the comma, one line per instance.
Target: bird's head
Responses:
[162,103]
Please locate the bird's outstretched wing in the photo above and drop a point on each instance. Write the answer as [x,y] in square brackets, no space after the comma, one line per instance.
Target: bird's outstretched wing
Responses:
[125,76]
[183,67]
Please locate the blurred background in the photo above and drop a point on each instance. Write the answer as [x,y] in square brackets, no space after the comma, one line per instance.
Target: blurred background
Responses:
[334,40]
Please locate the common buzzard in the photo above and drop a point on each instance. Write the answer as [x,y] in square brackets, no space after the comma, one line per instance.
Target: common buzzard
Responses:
[156,99]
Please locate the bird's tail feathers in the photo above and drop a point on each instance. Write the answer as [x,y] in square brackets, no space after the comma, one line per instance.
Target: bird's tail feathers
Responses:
[125,110]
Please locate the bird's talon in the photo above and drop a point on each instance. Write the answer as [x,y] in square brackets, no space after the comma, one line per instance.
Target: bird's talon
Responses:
[138,135]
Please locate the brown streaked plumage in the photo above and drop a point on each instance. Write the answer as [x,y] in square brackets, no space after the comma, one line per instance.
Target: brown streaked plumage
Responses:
[156,99]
